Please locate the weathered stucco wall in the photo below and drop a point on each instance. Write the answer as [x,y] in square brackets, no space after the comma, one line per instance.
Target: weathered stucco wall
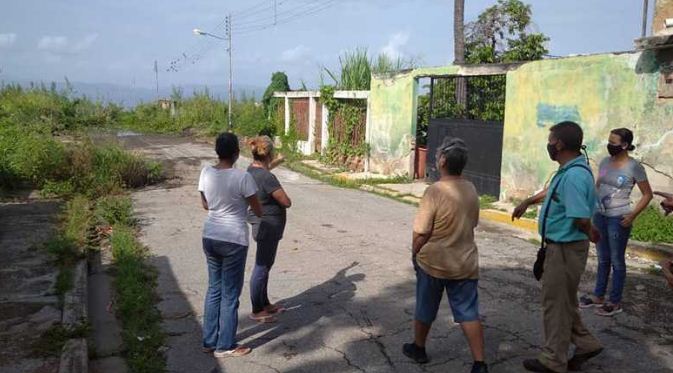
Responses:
[393,108]
[600,92]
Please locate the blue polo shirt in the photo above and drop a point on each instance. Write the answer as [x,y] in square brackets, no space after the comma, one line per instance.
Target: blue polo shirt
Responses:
[575,198]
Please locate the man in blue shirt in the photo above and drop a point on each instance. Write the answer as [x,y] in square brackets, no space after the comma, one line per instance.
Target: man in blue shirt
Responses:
[569,202]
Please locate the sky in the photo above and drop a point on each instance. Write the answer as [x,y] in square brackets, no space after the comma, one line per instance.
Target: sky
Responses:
[117,42]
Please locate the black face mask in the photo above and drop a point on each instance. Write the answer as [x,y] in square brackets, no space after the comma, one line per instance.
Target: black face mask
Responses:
[614,149]
[553,152]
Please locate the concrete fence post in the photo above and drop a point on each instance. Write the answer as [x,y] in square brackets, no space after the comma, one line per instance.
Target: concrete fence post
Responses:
[311,124]
[324,122]
[367,133]
[287,115]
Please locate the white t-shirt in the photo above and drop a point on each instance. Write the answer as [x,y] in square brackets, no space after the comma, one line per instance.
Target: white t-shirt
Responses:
[226,191]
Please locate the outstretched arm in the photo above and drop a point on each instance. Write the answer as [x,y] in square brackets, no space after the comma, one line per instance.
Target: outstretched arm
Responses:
[532,200]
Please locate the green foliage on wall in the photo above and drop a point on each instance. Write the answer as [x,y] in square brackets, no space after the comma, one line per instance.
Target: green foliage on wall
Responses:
[346,147]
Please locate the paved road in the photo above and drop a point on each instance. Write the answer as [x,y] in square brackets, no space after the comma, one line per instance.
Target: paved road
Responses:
[344,271]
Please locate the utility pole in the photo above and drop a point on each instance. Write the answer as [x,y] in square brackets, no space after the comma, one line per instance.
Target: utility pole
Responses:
[156,74]
[645,9]
[231,86]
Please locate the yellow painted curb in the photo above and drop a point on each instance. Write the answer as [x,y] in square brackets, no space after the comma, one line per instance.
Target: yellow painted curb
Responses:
[505,218]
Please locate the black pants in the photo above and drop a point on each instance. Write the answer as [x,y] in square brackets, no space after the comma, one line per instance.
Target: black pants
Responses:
[268,236]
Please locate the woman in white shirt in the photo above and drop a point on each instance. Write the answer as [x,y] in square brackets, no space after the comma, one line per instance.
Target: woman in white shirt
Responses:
[226,192]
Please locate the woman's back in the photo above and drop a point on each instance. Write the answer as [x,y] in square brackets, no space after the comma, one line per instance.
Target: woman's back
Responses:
[226,191]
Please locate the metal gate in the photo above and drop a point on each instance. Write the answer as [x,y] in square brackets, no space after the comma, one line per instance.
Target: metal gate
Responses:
[473,109]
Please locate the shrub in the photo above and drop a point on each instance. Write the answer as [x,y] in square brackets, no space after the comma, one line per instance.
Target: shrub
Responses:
[653,226]
[115,210]
[77,220]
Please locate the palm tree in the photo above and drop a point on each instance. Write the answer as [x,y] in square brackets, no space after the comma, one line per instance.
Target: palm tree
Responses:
[459,48]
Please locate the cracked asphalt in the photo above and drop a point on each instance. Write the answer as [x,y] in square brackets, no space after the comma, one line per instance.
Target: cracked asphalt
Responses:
[344,273]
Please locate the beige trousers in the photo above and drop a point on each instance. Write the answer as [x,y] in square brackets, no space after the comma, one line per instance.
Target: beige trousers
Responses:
[563,268]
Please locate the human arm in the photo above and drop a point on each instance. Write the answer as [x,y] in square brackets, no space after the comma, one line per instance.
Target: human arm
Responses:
[276,162]
[249,191]
[424,221]
[255,206]
[578,194]
[204,202]
[532,200]
[647,195]
[281,197]
[418,241]
[667,203]
[585,226]
[663,194]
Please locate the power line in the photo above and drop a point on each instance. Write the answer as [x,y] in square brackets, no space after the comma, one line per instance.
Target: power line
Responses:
[275,18]
[283,19]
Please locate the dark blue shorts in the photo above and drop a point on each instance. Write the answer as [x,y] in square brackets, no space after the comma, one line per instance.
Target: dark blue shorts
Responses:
[463,297]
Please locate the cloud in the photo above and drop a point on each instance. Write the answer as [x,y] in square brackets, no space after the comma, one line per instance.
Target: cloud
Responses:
[300,52]
[396,43]
[7,40]
[61,44]
[85,43]
[53,43]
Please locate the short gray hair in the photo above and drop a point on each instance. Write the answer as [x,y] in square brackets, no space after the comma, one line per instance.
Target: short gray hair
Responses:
[455,152]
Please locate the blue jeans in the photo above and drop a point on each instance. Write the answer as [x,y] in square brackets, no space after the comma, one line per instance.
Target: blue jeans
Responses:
[611,254]
[226,267]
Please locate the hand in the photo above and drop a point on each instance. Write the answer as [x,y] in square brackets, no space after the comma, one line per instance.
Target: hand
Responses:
[627,220]
[664,194]
[667,205]
[520,210]
[595,235]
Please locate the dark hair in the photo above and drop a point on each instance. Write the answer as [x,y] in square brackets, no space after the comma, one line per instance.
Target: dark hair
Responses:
[626,135]
[454,151]
[226,146]
[570,133]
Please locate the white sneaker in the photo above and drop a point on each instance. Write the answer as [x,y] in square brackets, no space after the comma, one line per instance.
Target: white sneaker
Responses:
[236,352]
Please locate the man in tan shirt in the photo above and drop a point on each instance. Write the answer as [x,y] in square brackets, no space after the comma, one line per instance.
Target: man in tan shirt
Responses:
[445,254]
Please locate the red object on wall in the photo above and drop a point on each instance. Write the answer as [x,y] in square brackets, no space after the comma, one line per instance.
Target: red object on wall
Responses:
[419,163]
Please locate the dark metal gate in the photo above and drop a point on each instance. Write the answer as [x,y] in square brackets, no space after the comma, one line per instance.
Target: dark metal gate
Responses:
[475,113]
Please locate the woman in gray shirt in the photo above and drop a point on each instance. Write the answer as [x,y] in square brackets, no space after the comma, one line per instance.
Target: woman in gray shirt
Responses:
[267,230]
[617,176]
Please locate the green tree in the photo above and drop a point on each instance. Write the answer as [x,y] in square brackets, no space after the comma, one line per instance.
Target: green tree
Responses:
[279,83]
[502,33]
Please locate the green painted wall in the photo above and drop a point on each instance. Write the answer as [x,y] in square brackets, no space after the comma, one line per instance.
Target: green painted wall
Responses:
[600,92]
[393,106]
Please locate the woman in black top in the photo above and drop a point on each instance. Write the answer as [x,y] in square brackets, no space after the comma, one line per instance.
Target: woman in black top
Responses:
[268,229]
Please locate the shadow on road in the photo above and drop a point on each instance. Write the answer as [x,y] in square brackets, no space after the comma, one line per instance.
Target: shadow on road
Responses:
[639,339]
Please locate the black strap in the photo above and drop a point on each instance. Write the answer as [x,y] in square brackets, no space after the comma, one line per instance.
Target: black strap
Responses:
[551,196]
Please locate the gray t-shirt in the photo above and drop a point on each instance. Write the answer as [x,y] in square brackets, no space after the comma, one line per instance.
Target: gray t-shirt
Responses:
[615,186]
[272,223]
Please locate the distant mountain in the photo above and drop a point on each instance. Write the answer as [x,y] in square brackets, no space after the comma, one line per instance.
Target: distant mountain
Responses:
[130,96]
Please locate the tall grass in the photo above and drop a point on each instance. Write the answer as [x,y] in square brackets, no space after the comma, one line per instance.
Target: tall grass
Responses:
[356,68]
[32,156]
[134,284]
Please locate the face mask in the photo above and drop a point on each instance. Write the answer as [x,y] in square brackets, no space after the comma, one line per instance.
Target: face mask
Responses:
[553,152]
[614,149]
